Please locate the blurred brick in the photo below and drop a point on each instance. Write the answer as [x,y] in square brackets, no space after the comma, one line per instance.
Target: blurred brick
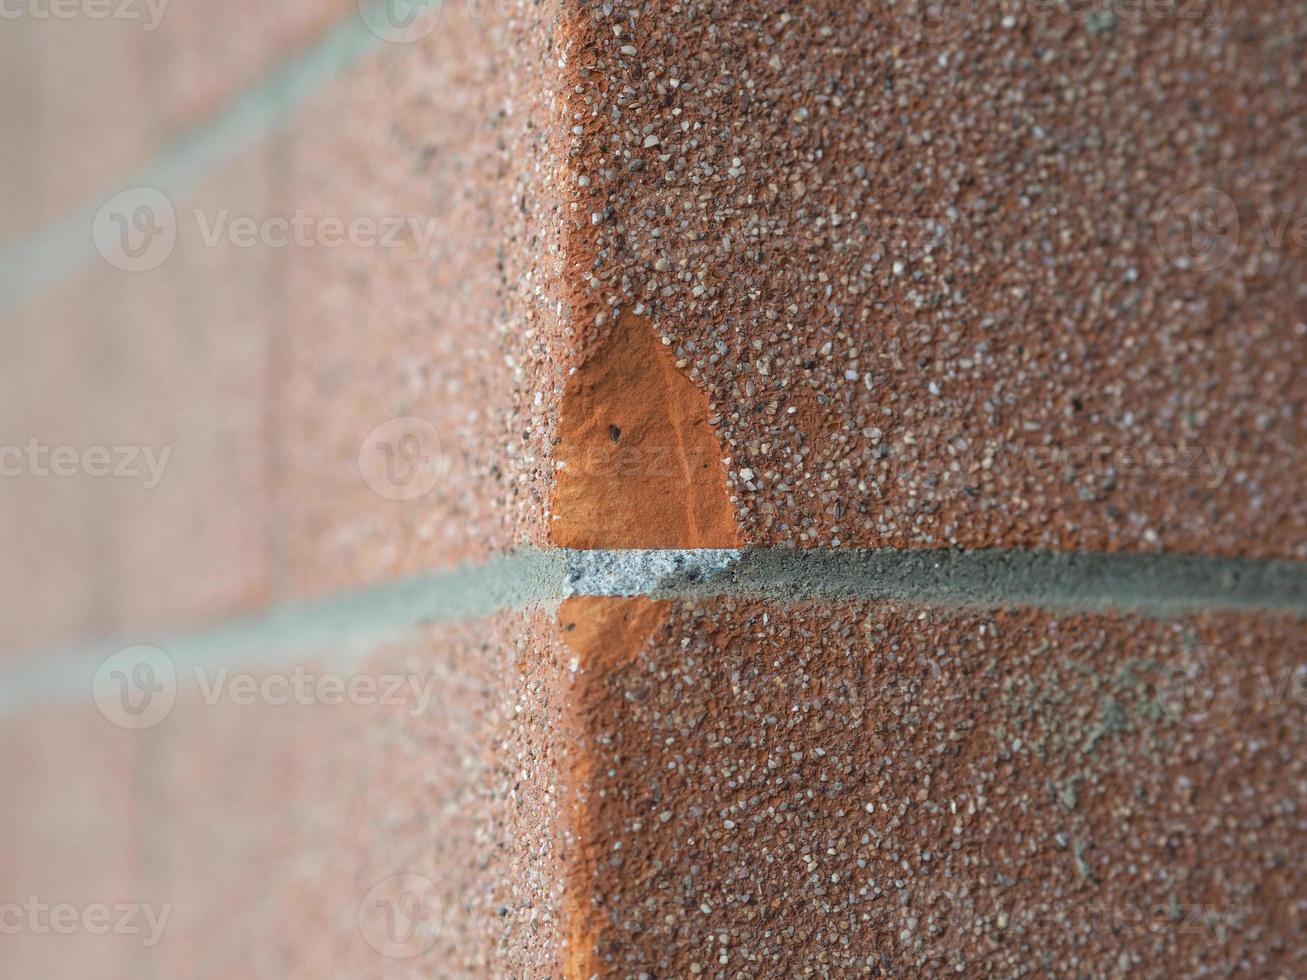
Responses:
[263,367]
[271,799]
[171,362]
[74,835]
[930,279]
[417,327]
[282,818]
[130,86]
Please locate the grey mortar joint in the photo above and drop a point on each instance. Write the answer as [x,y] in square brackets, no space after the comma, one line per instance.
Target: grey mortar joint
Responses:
[656,574]
[1152,585]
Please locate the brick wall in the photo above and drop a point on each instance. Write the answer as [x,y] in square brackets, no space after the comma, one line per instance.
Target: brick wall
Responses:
[311,314]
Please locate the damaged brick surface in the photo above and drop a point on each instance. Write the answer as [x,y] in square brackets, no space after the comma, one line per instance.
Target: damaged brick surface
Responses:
[930,292]
[708,276]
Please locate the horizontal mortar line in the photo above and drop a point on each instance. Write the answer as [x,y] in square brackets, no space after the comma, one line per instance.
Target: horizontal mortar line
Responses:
[46,257]
[342,627]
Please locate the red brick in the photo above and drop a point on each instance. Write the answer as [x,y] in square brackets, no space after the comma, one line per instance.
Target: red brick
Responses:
[72,823]
[930,305]
[128,92]
[859,786]
[972,225]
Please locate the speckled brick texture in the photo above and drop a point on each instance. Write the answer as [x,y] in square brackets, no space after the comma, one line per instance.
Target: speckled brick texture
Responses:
[265,369]
[944,284]
[882,790]
[263,827]
[940,291]
[71,823]
[167,368]
[677,275]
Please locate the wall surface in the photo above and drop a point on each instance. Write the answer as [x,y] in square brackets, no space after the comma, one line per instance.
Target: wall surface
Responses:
[313,315]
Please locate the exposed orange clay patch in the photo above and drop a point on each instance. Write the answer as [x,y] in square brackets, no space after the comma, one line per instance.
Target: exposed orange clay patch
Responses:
[642,466]
[605,634]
